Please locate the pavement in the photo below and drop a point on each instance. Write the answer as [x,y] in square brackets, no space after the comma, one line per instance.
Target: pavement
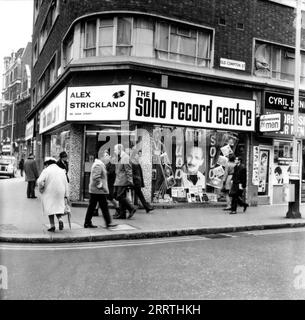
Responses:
[21,220]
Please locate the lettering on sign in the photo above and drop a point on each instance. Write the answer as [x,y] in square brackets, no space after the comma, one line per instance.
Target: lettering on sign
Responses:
[191,109]
[98,103]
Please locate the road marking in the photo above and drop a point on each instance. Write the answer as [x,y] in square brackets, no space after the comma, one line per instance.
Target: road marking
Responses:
[106,244]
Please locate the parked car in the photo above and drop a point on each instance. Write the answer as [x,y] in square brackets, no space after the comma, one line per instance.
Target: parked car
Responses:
[8,166]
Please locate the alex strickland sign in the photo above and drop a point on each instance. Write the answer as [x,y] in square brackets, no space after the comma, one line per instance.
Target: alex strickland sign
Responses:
[97,103]
[191,109]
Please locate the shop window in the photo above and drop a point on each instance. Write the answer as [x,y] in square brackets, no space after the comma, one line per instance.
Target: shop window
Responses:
[276,62]
[59,142]
[189,164]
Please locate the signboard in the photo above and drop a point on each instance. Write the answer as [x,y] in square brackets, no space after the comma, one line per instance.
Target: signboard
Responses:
[232,64]
[29,130]
[282,102]
[191,109]
[6,148]
[287,129]
[98,103]
[270,122]
[54,113]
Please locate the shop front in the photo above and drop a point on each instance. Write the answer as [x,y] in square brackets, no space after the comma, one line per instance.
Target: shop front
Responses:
[184,139]
[274,152]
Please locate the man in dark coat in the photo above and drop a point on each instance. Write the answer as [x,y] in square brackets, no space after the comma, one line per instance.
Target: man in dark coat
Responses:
[239,182]
[138,181]
[31,175]
[63,163]
[123,181]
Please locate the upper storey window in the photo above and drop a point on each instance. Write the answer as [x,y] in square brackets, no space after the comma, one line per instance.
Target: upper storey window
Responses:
[183,44]
[276,62]
[145,37]
[48,23]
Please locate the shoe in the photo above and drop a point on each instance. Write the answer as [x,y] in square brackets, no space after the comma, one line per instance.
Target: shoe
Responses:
[89,225]
[112,225]
[119,216]
[233,212]
[227,209]
[149,209]
[131,213]
[52,229]
[245,207]
[33,197]
[61,225]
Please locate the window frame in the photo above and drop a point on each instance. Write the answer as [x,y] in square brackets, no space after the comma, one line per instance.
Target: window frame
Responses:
[281,49]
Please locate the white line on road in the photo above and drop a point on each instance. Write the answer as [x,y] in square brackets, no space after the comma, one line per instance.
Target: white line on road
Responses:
[92,245]
[139,242]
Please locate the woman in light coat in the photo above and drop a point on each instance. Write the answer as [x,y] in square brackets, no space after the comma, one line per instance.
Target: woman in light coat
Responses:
[53,186]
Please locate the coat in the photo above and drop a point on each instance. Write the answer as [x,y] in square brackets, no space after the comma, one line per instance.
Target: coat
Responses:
[53,185]
[123,171]
[137,173]
[239,177]
[64,165]
[30,169]
[227,178]
[98,175]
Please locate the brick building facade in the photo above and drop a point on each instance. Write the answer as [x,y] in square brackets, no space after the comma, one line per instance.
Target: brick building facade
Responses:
[231,54]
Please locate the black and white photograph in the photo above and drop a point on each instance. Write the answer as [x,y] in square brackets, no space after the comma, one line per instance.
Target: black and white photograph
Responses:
[152,153]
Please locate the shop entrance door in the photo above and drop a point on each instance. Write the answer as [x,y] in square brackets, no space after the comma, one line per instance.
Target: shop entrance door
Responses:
[265,165]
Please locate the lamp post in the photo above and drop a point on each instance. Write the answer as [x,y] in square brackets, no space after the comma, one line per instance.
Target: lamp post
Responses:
[294,177]
[13,119]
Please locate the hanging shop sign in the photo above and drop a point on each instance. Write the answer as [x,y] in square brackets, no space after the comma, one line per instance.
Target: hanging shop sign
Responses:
[282,102]
[287,127]
[54,113]
[29,130]
[232,64]
[97,103]
[272,122]
[191,109]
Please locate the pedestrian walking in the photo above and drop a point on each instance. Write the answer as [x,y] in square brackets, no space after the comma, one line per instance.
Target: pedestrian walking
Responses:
[239,182]
[53,186]
[21,166]
[63,162]
[138,181]
[227,180]
[98,191]
[123,182]
[31,175]
[110,167]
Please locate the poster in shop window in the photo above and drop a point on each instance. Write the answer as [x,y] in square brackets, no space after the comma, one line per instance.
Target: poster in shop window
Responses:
[220,145]
[263,171]
[178,165]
